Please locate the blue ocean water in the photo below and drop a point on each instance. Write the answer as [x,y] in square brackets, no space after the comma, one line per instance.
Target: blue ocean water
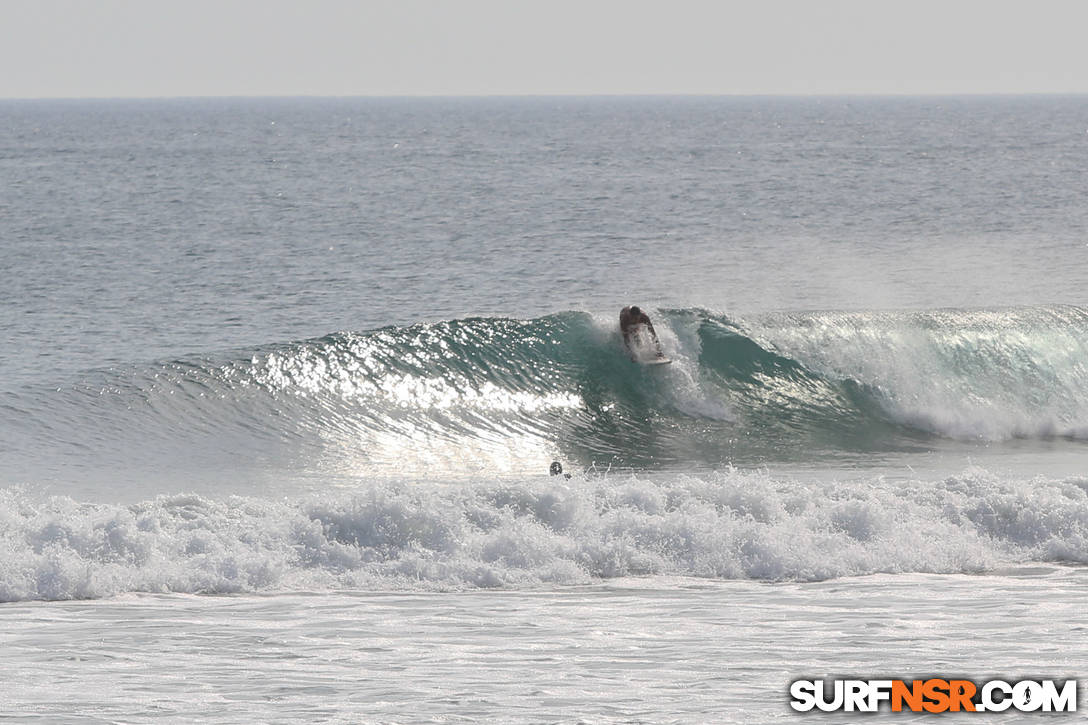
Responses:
[329,347]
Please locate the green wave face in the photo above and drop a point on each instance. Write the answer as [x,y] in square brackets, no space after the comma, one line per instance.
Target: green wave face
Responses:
[495,392]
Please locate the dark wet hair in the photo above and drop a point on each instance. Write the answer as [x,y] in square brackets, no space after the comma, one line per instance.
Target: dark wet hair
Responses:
[635,311]
[556,468]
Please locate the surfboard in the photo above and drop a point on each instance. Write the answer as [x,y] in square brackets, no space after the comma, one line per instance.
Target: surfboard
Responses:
[654,362]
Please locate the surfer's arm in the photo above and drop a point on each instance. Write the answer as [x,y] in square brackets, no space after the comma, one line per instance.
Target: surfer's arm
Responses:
[650,327]
[653,336]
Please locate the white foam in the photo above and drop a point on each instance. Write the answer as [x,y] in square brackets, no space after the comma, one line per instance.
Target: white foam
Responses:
[732,524]
[686,390]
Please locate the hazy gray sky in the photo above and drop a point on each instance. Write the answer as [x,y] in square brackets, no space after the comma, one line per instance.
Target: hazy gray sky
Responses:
[80,48]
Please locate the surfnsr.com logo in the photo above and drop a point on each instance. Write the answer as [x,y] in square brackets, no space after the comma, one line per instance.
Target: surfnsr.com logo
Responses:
[934,695]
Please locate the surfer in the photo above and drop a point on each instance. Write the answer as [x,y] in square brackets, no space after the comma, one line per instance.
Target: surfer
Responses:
[632,321]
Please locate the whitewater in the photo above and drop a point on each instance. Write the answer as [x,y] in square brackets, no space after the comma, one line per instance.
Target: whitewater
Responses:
[282,381]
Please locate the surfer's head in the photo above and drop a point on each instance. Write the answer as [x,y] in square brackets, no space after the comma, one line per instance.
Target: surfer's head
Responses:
[635,311]
[556,468]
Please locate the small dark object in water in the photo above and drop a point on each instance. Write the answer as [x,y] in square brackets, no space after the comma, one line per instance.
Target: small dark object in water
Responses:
[557,468]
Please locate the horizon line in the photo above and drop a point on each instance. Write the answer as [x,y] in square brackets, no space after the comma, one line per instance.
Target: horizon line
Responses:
[469,96]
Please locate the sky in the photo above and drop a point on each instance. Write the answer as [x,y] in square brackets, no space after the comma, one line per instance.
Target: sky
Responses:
[156,48]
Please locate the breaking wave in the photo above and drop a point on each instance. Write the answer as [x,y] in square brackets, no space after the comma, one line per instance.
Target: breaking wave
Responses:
[500,394]
[728,525]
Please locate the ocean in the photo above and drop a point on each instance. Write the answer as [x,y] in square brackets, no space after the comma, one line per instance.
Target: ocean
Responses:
[281,381]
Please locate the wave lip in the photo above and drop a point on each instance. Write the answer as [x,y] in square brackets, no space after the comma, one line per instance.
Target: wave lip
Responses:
[729,525]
